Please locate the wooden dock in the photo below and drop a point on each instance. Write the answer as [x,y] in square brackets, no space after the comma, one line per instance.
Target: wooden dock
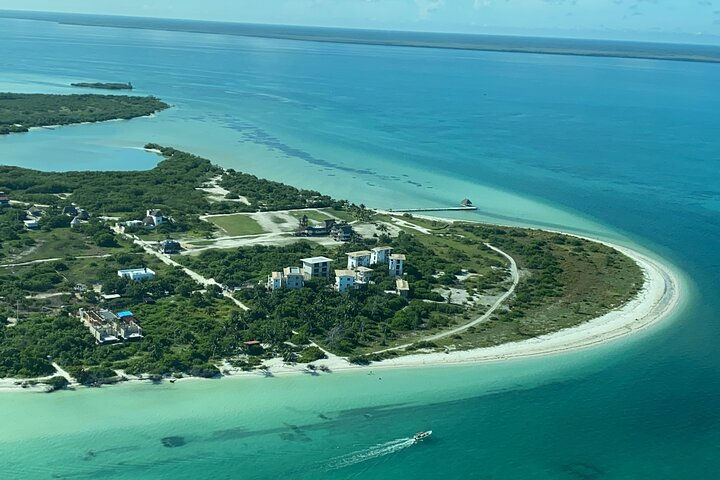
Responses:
[431,209]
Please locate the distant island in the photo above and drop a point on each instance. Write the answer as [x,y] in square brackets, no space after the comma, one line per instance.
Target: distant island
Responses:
[20,112]
[104,86]
[491,43]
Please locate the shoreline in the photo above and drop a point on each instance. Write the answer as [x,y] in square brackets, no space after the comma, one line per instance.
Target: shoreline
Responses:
[658,298]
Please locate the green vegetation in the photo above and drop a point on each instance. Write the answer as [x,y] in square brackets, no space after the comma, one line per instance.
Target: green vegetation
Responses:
[453,276]
[237,224]
[104,86]
[21,111]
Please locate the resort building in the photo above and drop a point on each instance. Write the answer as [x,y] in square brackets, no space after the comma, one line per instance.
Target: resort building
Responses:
[70,210]
[402,287]
[397,263]
[362,275]
[137,274]
[344,280]
[107,327]
[275,281]
[316,267]
[290,278]
[101,324]
[127,327]
[34,212]
[293,278]
[380,255]
[342,232]
[358,259]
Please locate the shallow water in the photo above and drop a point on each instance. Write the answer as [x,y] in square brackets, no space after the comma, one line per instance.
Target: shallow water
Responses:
[625,150]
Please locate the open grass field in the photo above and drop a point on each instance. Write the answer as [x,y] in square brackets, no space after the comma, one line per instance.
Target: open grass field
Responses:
[237,225]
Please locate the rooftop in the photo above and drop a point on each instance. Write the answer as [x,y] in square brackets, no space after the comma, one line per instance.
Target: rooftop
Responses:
[137,270]
[292,271]
[344,273]
[397,256]
[364,269]
[276,275]
[126,313]
[359,253]
[381,249]
[316,260]
[401,284]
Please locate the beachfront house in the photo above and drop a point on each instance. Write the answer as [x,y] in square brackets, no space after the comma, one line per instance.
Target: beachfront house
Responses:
[344,280]
[137,274]
[126,326]
[316,267]
[402,287]
[4,200]
[101,324]
[358,259]
[397,263]
[380,255]
[107,327]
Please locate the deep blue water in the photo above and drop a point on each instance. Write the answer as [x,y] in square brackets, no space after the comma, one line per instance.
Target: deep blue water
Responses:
[623,149]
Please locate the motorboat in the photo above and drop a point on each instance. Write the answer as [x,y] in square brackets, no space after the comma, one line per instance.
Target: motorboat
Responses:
[420,436]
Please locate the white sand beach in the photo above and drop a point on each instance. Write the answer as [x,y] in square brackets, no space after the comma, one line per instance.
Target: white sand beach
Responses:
[658,298]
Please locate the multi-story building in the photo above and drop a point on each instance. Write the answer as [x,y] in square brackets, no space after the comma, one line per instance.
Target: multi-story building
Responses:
[358,259]
[380,255]
[316,267]
[397,263]
[344,280]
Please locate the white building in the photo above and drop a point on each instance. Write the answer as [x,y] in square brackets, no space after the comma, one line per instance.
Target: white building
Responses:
[344,280]
[380,255]
[362,275]
[275,281]
[316,267]
[154,218]
[397,263]
[402,287]
[358,259]
[137,274]
[293,278]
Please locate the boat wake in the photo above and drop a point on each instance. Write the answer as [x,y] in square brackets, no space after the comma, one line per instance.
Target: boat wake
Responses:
[375,451]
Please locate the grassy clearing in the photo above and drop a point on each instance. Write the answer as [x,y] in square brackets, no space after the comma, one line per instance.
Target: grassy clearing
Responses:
[237,225]
[315,215]
[64,242]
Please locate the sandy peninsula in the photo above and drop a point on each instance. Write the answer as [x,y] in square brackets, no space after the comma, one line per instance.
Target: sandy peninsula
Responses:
[655,302]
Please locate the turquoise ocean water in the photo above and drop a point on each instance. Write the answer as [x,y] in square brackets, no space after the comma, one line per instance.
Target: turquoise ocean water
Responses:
[625,150]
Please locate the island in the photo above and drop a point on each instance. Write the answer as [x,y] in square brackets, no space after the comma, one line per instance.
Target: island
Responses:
[197,270]
[20,112]
[104,86]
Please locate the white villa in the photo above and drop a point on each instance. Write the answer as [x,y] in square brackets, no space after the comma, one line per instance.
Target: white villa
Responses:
[402,287]
[290,277]
[316,267]
[137,274]
[358,259]
[397,263]
[380,255]
[344,280]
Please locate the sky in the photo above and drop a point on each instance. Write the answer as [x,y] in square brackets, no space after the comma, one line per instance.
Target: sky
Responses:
[655,20]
